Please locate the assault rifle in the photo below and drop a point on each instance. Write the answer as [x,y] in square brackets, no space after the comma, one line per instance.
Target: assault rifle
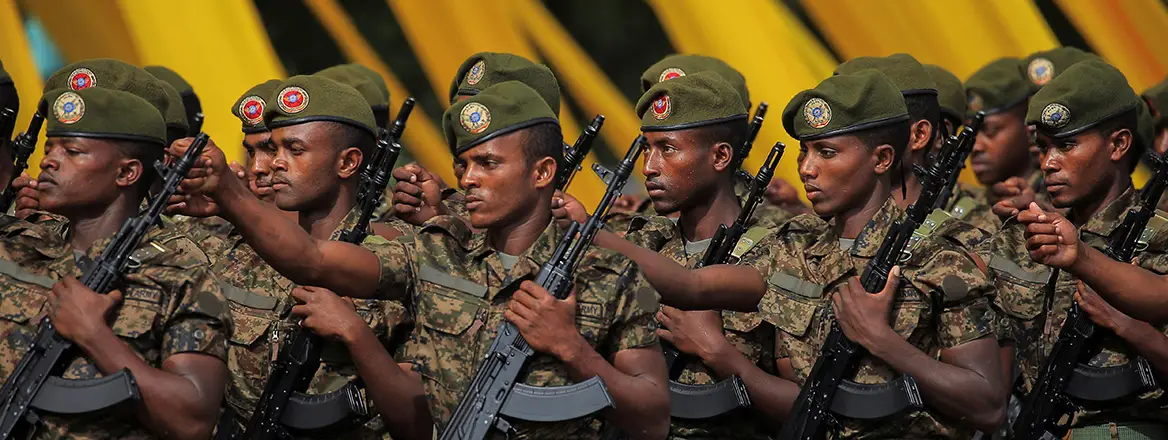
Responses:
[705,401]
[1064,380]
[35,386]
[497,389]
[818,403]
[370,167]
[574,156]
[22,147]
[957,164]
[748,144]
[284,408]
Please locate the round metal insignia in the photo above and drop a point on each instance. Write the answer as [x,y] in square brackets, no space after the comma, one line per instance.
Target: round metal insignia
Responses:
[1040,71]
[671,73]
[475,118]
[69,108]
[817,113]
[662,107]
[292,100]
[975,102]
[1056,115]
[251,109]
[476,73]
[82,79]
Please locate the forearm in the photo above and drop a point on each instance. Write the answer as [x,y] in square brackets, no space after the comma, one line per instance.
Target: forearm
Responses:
[278,239]
[957,392]
[770,395]
[172,406]
[1133,290]
[1149,342]
[721,286]
[399,398]
[641,402]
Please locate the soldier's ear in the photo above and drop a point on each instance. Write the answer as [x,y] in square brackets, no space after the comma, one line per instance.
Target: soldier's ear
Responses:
[1120,142]
[544,172]
[884,156]
[349,162]
[722,155]
[129,172]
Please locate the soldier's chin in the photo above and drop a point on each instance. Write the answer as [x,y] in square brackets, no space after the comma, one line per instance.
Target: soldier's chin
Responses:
[481,220]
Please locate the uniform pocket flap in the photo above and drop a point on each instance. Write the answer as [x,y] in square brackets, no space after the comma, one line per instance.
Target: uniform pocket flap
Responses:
[740,322]
[433,275]
[14,271]
[797,286]
[249,327]
[446,314]
[135,319]
[249,299]
[20,304]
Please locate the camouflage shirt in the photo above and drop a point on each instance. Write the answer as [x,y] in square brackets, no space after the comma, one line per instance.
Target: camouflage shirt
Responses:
[172,305]
[260,302]
[1036,299]
[746,331]
[972,203]
[459,291]
[942,303]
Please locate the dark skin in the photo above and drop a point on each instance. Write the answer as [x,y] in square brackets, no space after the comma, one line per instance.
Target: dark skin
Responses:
[1002,148]
[907,190]
[509,197]
[92,184]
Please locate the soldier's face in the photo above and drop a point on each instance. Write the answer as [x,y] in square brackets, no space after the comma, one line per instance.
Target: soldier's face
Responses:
[307,169]
[80,176]
[258,168]
[679,170]
[1002,148]
[840,173]
[501,186]
[1079,169]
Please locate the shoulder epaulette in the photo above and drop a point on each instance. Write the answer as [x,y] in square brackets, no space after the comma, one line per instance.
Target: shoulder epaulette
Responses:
[926,229]
[152,249]
[963,207]
[1155,224]
[749,239]
[449,225]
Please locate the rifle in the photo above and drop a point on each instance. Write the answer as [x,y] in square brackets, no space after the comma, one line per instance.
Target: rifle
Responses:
[958,165]
[197,125]
[705,401]
[35,386]
[748,144]
[497,389]
[22,147]
[1065,379]
[369,168]
[284,409]
[574,156]
[817,401]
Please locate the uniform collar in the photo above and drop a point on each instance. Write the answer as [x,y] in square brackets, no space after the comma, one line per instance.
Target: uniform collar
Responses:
[870,238]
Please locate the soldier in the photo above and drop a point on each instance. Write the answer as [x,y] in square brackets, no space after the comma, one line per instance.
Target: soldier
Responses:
[190,101]
[167,322]
[508,143]
[1086,123]
[693,125]
[932,319]
[9,99]
[369,83]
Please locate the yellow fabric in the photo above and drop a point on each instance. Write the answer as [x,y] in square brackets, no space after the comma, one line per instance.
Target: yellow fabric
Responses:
[87,29]
[1129,34]
[20,66]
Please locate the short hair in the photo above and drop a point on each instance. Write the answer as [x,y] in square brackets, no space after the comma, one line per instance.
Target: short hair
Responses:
[925,107]
[895,135]
[346,136]
[1128,119]
[543,140]
[146,152]
[733,132]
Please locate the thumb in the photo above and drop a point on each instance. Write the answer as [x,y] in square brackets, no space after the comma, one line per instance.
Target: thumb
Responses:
[116,296]
[571,299]
[893,282]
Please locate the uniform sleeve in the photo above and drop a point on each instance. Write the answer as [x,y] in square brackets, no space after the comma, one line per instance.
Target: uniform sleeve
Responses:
[764,259]
[635,325]
[963,291]
[395,258]
[201,321]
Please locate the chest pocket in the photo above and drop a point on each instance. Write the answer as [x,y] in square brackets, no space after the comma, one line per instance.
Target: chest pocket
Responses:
[740,322]
[140,309]
[253,314]
[25,296]
[447,303]
[795,303]
[1020,292]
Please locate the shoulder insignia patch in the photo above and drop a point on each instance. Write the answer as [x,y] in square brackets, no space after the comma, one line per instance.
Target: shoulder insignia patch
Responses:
[749,239]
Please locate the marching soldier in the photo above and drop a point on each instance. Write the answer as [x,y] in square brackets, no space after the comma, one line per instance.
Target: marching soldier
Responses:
[190,101]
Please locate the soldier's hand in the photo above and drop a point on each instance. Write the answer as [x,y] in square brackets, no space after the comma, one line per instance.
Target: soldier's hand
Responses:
[548,324]
[1013,195]
[784,195]
[78,312]
[865,317]
[566,209]
[326,314]
[1100,312]
[28,198]
[698,332]
[417,195]
[197,191]
[1051,239]
[626,203]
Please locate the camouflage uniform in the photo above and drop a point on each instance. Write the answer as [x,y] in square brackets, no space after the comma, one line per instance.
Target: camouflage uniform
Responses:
[942,303]
[747,332]
[458,293]
[260,300]
[172,305]
[972,204]
[1036,299]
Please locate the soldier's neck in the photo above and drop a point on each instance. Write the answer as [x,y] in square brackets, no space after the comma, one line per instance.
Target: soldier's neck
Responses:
[87,228]
[1100,200]
[850,223]
[905,191]
[516,238]
[701,221]
[321,222]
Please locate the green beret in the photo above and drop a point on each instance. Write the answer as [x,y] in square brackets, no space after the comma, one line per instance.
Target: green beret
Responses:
[495,111]
[363,79]
[843,104]
[690,101]
[249,108]
[950,92]
[1157,98]
[485,69]
[171,77]
[311,98]
[678,65]
[997,87]
[905,72]
[4,77]
[1084,95]
[1041,67]
[103,113]
[118,75]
